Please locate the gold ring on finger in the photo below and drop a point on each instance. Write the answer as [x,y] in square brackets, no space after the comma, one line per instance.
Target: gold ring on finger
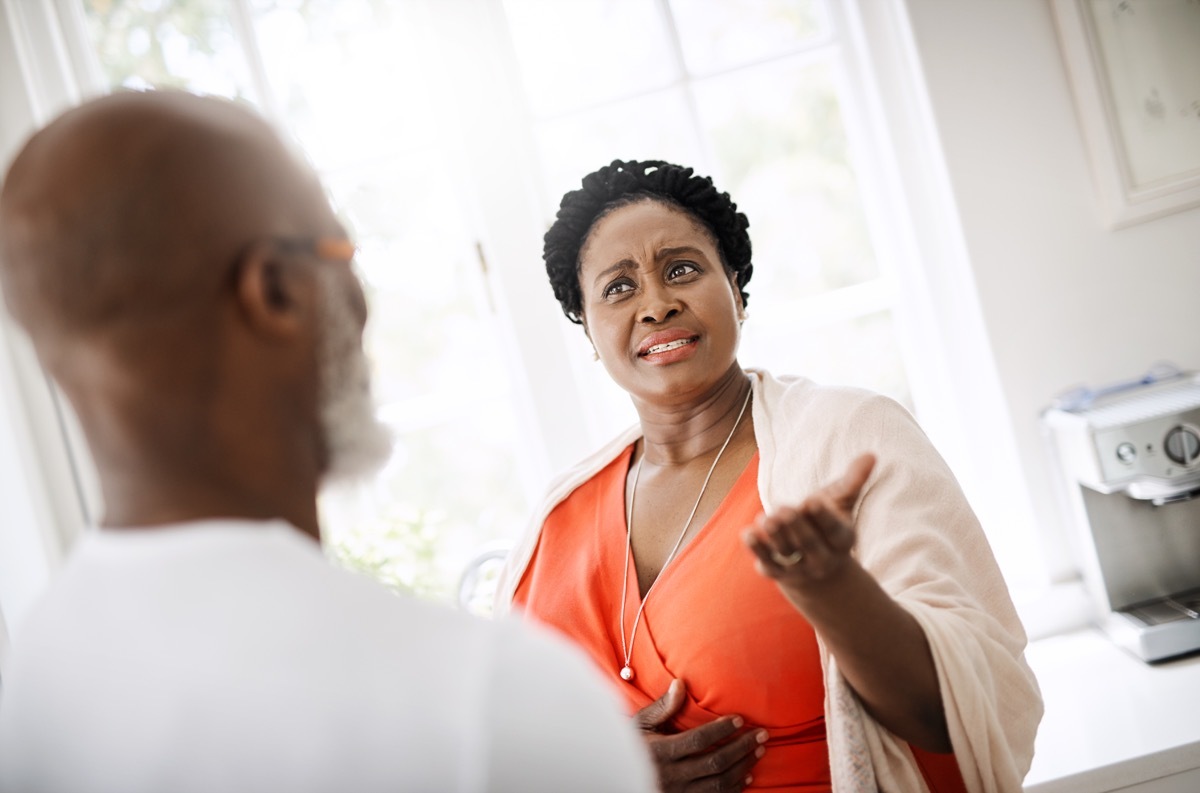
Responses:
[787,561]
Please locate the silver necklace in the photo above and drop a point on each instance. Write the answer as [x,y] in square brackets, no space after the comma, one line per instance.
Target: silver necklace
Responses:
[627,650]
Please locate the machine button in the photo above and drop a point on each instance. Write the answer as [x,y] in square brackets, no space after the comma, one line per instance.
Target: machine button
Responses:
[1182,445]
[1126,453]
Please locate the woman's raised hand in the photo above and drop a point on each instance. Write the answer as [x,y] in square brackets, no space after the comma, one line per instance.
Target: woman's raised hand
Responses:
[803,546]
[702,759]
[881,648]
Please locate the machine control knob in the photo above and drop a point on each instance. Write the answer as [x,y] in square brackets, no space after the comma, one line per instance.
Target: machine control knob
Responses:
[1182,445]
[1126,453]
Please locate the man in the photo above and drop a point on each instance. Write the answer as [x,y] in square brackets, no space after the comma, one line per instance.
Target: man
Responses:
[185,282]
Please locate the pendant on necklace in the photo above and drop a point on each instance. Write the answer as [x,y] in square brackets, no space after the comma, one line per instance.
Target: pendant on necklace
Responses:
[627,673]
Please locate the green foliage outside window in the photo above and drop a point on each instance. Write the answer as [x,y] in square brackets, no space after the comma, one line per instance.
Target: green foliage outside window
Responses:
[400,551]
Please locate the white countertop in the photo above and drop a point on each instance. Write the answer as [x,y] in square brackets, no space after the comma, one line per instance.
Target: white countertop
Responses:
[1111,720]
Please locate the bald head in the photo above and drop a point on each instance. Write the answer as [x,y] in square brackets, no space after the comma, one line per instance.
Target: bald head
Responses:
[132,209]
[139,247]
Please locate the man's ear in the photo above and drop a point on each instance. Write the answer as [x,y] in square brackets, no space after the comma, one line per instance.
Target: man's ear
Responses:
[271,296]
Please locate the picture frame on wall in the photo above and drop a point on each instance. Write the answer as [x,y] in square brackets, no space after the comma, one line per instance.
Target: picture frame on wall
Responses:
[1134,69]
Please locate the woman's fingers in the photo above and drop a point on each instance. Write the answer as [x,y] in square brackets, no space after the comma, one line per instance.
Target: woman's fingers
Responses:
[801,545]
[695,741]
[727,768]
[845,491]
[832,523]
[706,758]
[801,535]
[794,543]
[661,710]
[767,564]
[789,536]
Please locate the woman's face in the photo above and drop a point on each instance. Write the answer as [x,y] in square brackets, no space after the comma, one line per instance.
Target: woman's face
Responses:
[658,305]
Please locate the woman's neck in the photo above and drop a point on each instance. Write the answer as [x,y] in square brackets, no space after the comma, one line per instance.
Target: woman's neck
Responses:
[680,433]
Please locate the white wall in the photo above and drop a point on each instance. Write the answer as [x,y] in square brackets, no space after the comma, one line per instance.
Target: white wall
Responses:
[1065,300]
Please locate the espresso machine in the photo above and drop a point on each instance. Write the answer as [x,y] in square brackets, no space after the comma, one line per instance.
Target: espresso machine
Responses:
[1128,463]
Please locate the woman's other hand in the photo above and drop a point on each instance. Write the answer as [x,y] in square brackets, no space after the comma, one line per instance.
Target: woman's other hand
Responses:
[803,546]
[702,759]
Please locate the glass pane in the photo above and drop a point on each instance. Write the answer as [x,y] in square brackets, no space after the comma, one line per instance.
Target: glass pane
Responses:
[653,127]
[446,492]
[578,53]
[187,44]
[782,153]
[421,276]
[861,351]
[453,483]
[720,34]
[351,78]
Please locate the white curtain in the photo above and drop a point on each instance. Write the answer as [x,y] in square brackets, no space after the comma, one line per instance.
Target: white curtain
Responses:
[40,471]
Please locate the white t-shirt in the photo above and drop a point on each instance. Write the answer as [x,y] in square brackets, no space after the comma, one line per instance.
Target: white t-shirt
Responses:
[231,656]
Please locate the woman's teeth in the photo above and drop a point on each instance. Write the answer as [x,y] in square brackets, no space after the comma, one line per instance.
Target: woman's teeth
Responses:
[671,345]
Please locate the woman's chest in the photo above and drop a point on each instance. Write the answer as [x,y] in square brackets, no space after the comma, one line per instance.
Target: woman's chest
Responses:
[733,638]
[710,620]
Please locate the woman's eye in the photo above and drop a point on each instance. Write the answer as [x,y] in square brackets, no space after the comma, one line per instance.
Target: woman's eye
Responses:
[616,288]
[679,269]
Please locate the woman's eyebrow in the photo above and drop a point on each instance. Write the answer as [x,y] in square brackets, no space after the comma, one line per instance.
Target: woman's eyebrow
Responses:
[624,264]
[666,253]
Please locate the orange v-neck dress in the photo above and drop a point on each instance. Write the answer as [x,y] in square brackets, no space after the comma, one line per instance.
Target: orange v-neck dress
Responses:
[711,620]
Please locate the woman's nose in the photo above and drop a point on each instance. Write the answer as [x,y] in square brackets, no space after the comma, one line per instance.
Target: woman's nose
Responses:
[658,305]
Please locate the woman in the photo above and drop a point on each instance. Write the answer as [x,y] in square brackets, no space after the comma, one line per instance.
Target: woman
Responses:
[798,556]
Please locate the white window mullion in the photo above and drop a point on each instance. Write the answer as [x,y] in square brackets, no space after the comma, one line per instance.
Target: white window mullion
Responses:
[243,27]
[499,171]
[955,383]
[685,85]
[48,485]
[81,58]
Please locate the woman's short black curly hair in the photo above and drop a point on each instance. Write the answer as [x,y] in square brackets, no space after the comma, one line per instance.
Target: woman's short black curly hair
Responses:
[626,182]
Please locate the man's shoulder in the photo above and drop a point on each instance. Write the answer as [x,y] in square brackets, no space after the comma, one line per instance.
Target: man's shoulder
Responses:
[549,701]
[275,629]
[529,649]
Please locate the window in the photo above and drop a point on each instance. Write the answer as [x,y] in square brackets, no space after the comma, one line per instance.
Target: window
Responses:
[447,131]
[750,93]
[344,79]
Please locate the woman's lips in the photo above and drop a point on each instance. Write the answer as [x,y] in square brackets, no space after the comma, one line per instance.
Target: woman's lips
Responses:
[671,345]
[670,351]
[656,341]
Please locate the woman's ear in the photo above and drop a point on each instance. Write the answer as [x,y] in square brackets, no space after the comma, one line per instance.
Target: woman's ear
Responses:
[586,332]
[272,299]
[737,297]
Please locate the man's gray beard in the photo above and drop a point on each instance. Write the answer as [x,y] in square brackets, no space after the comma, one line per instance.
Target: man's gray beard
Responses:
[356,441]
